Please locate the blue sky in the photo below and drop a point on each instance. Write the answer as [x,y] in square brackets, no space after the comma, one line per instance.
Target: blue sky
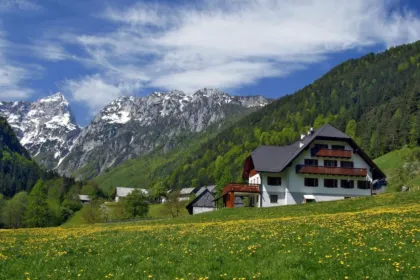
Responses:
[95,51]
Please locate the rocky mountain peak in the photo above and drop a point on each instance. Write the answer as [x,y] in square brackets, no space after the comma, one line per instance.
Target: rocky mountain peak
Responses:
[127,127]
[132,126]
[45,127]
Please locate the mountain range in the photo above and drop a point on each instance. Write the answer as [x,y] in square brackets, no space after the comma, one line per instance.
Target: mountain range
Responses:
[374,99]
[124,129]
[173,140]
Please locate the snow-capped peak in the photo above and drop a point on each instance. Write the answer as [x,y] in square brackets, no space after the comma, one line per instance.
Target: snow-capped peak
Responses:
[55,98]
[45,127]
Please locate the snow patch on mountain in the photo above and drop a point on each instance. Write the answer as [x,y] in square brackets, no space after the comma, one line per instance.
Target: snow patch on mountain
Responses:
[132,126]
[46,127]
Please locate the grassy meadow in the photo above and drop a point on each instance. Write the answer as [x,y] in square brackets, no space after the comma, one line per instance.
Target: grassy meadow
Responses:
[362,238]
[402,168]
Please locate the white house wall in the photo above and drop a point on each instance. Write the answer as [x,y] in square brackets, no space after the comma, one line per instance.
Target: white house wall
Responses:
[198,210]
[293,189]
[256,179]
[268,190]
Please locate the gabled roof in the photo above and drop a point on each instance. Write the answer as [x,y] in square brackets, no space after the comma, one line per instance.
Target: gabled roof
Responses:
[198,198]
[187,191]
[210,188]
[277,158]
[272,158]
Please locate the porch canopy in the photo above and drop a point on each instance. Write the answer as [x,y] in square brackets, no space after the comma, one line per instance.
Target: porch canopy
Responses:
[232,189]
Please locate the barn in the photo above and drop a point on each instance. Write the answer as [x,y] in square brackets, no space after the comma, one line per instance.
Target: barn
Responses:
[204,202]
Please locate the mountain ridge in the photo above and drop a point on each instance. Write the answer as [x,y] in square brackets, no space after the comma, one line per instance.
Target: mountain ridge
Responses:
[129,126]
[374,99]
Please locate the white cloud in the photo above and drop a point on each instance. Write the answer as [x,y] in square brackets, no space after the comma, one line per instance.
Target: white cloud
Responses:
[49,50]
[228,44]
[140,14]
[95,92]
[13,76]
[7,5]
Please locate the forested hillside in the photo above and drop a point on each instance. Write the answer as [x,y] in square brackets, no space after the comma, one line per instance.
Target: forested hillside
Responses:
[17,171]
[374,99]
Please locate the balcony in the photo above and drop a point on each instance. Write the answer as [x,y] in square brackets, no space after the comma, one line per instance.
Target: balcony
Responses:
[324,152]
[323,170]
[236,187]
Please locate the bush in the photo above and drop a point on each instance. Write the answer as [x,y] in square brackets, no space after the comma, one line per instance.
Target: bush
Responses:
[136,204]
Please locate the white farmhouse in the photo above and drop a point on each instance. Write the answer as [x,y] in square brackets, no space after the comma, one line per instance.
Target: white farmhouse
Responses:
[323,165]
[123,192]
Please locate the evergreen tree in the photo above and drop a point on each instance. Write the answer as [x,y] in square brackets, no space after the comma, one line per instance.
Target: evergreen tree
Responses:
[14,210]
[351,129]
[414,135]
[37,213]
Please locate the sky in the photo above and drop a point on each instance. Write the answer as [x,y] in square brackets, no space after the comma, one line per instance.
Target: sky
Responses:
[94,51]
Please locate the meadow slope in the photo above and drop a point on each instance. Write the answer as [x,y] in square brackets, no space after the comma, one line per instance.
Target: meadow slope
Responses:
[363,238]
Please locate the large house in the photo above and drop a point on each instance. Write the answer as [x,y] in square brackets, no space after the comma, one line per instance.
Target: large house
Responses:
[323,165]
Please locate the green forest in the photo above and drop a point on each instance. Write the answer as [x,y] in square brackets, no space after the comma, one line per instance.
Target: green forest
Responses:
[17,171]
[29,196]
[374,99]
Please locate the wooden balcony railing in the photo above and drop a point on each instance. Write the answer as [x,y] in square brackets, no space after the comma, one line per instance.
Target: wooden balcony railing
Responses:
[323,170]
[236,187]
[323,152]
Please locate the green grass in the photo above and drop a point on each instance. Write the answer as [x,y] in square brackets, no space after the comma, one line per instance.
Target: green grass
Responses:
[394,164]
[375,237]
[75,220]
[158,211]
[391,160]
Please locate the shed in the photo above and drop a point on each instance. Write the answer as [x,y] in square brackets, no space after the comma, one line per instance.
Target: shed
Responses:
[186,193]
[123,192]
[85,199]
[204,202]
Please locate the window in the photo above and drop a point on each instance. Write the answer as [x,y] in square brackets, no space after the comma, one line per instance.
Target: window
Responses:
[274,198]
[321,146]
[311,182]
[330,183]
[274,181]
[312,162]
[347,164]
[347,184]
[308,200]
[364,185]
[330,163]
[337,147]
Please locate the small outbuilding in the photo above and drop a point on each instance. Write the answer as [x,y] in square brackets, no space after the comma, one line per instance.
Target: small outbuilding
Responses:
[121,193]
[84,199]
[204,202]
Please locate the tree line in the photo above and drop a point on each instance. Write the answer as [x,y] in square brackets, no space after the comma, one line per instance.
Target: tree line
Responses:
[374,99]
